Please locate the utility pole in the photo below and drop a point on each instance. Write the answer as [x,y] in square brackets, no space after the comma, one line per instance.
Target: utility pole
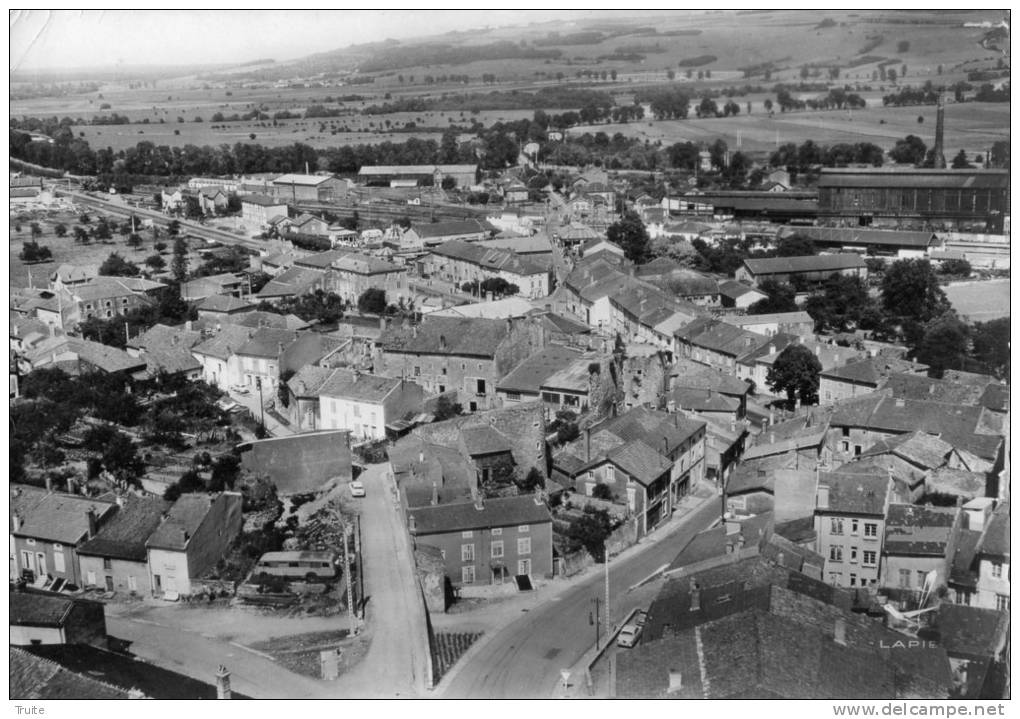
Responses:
[262,407]
[350,589]
[596,620]
[361,565]
[127,333]
[605,562]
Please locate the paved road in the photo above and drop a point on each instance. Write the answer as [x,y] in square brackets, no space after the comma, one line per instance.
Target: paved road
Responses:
[395,663]
[524,659]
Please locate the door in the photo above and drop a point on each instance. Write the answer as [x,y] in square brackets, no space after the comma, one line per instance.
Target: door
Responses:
[26,562]
[40,560]
[109,583]
[157,586]
[132,584]
[524,566]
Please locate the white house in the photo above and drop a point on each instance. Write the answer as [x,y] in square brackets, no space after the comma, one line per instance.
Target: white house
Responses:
[364,404]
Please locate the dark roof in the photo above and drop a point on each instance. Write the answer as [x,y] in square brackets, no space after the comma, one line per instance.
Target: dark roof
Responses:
[126,670]
[653,427]
[458,336]
[963,571]
[41,609]
[225,342]
[924,450]
[484,440]
[995,538]
[856,493]
[920,387]
[918,530]
[222,303]
[640,461]
[995,397]
[446,229]
[62,518]
[499,512]
[722,337]
[862,236]
[490,258]
[688,373]
[34,677]
[704,400]
[719,541]
[529,375]
[181,522]
[124,536]
[263,200]
[970,632]
[353,385]
[805,263]
[301,462]
[913,178]
[733,289]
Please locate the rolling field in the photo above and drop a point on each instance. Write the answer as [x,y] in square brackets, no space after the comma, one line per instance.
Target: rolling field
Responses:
[972,127]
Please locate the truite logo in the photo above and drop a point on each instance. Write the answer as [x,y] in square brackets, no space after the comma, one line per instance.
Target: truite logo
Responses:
[908,644]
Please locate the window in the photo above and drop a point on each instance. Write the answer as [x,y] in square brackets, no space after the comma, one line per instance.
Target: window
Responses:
[523,566]
[497,549]
[467,575]
[524,545]
[58,562]
[497,532]
[853,554]
[524,528]
[904,579]
[444,371]
[467,552]
[834,577]
[107,564]
[591,474]
[514,396]
[1002,602]
[480,387]
[845,446]
[467,534]
[853,526]
[853,580]
[417,371]
[846,431]
[836,554]
[857,450]
[920,578]
[997,570]
[870,529]
[836,525]
[869,558]
[610,473]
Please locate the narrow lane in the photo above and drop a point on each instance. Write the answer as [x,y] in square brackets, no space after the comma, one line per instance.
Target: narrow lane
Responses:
[523,660]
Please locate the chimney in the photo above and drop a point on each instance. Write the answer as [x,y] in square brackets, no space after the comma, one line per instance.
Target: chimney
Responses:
[49,483]
[938,152]
[839,631]
[90,515]
[16,522]
[822,497]
[695,596]
[412,524]
[435,494]
[222,683]
[587,444]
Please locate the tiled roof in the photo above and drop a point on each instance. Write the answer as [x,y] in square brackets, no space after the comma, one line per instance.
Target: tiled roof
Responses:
[533,244]
[704,400]
[308,380]
[958,482]
[358,386]
[733,289]
[995,538]
[490,258]
[258,319]
[652,426]
[499,512]
[365,265]
[872,371]
[530,374]
[574,376]
[781,318]
[34,677]
[924,450]
[920,387]
[448,229]
[721,337]
[62,518]
[292,281]
[40,609]
[222,303]
[71,273]
[181,522]
[496,310]
[856,493]
[168,348]
[484,440]
[225,342]
[124,536]
[456,336]
[918,530]
[322,260]
[102,287]
[970,632]
[688,373]
[263,201]
[640,461]
[806,263]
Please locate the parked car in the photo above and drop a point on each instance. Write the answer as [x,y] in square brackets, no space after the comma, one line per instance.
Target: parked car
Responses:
[640,618]
[240,389]
[357,489]
[628,636]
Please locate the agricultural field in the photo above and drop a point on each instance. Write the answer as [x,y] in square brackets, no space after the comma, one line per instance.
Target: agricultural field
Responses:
[972,127]
[980,301]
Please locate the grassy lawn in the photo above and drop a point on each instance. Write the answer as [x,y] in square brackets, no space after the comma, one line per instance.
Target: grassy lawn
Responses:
[980,301]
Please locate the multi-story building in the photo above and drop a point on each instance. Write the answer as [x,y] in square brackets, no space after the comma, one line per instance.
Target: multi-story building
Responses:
[106,297]
[364,404]
[855,378]
[717,343]
[116,559]
[459,262]
[918,550]
[980,574]
[258,210]
[807,269]
[309,188]
[466,355]
[487,541]
[850,517]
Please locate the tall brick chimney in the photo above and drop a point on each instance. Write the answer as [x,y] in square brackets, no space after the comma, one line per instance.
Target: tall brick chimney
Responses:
[938,152]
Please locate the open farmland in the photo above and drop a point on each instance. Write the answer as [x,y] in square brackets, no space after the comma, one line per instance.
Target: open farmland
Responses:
[972,127]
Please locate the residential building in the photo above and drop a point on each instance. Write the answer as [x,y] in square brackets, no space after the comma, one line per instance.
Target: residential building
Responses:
[918,550]
[258,210]
[487,541]
[106,297]
[977,643]
[351,275]
[808,269]
[980,575]
[45,535]
[306,224]
[193,536]
[428,474]
[269,353]
[570,387]
[115,559]
[303,408]
[460,262]
[309,188]
[220,364]
[850,525]
[68,276]
[524,382]
[737,295]
[862,377]
[466,355]
[219,307]
[168,349]
[38,618]
[716,343]
[77,356]
[292,282]
[365,404]
[796,323]
[688,374]
[226,283]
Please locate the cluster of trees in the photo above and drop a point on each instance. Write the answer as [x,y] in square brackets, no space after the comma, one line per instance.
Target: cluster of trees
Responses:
[498,286]
[403,56]
[32,252]
[666,103]
[800,158]
[326,308]
[168,309]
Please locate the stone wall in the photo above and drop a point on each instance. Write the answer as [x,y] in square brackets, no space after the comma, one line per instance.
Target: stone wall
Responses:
[431,570]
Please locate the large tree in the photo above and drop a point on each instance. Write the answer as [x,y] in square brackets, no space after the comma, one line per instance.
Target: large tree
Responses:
[179,263]
[910,289]
[630,234]
[840,304]
[910,150]
[795,373]
[945,344]
[781,298]
[117,266]
[991,346]
[372,300]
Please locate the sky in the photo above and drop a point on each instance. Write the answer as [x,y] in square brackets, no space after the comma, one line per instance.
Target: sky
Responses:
[47,39]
